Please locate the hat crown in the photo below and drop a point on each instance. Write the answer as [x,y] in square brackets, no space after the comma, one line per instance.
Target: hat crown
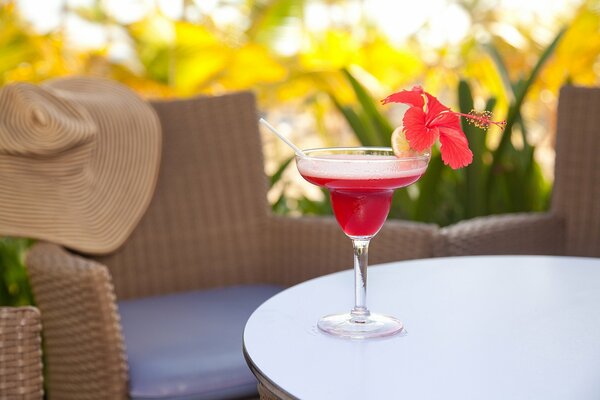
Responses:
[79,160]
[37,122]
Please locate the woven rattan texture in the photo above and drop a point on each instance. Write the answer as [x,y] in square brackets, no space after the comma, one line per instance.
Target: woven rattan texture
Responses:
[403,240]
[306,247]
[20,354]
[576,194]
[82,335]
[204,225]
[302,248]
[526,233]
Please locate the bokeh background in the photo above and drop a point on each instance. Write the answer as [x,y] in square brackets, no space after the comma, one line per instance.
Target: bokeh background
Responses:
[319,69]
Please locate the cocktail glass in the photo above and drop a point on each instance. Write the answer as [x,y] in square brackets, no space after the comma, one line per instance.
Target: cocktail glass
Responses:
[361,182]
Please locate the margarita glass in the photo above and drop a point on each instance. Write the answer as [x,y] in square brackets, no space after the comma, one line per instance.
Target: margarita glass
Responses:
[361,182]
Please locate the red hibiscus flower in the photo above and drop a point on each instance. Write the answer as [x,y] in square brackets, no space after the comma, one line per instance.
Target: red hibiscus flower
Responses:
[427,119]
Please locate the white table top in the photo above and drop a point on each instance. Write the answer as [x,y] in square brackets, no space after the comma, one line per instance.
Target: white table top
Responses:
[491,327]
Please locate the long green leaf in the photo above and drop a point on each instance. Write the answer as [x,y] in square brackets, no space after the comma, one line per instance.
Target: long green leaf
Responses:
[474,178]
[521,124]
[515,110]
[383,129]
[502,70]
[362,132]
[281,204]
[429,185]
[521,92]
[282,167]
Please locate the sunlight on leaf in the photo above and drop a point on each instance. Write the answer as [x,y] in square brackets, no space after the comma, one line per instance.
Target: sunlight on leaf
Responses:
[251,65]
[331,50]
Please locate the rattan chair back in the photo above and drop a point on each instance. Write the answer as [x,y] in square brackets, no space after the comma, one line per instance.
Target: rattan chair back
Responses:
[576,195]
[201,229]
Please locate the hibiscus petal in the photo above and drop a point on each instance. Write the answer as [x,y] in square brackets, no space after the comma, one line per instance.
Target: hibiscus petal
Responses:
[411,97]
[434,108]
[418,135]
[447,119]
[454,147]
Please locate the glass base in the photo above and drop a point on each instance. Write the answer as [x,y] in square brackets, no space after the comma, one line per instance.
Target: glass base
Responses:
[370,326]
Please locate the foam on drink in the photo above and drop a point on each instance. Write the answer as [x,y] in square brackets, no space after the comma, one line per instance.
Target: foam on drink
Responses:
[351,166]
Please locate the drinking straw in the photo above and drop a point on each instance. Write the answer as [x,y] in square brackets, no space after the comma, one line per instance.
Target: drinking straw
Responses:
[282,137]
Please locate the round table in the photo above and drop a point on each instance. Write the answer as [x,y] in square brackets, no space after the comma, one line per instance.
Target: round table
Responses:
[484,327]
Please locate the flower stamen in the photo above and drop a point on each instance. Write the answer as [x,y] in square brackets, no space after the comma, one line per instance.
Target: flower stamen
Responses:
[481,119]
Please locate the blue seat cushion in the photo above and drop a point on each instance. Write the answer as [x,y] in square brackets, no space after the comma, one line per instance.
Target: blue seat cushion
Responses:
[189,345]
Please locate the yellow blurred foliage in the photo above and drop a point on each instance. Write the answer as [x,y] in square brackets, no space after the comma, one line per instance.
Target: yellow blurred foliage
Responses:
[577,57]
[197,58]
[330,50]
[252,64]
[186,56]
[397,67]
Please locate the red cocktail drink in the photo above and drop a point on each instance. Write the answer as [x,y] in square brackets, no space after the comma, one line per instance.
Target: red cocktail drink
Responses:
[361,187]
[361,182]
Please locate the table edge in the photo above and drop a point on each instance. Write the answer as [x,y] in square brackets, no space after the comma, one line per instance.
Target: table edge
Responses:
[264,380]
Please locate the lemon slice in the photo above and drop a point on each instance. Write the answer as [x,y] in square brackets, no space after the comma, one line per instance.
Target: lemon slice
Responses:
[400,144]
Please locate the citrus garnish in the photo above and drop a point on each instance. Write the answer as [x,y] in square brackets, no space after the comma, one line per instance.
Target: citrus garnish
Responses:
[401,146]
[399,143]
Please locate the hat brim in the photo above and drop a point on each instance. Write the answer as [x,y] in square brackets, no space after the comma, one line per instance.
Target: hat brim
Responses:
[93,209]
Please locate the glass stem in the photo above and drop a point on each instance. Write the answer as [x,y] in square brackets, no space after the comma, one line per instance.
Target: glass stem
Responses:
[360,313]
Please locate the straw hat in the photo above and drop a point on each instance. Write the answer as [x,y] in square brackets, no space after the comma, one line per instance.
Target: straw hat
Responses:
[79,161]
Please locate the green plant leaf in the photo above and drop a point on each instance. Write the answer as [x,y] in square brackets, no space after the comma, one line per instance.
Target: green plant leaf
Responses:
[362,132]
[502,71]
[280,170]
[474,173]
[14,283]
[429,185]
[383,128]
[514,113]
[520,93]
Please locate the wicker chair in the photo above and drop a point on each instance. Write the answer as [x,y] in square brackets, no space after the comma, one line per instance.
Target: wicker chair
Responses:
[572,226]
[20,354]
[208,234]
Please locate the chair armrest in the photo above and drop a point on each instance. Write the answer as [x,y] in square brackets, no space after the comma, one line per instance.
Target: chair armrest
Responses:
[523,233]
[404,240]
[20,353]
[84,347]
[306,247]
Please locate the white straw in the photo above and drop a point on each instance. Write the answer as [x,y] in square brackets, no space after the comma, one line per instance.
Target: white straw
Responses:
[280,135]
